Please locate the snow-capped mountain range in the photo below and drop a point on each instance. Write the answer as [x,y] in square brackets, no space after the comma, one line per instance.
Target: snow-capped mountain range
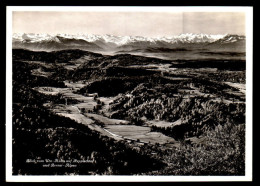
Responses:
[123,40]
[179,46]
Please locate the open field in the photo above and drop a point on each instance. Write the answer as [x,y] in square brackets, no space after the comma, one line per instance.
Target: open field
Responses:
[241,87]
[138,133]
[163,123]
[106,120]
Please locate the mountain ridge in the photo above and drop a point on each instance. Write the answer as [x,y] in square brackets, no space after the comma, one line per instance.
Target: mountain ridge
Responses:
[180,46]
[122,40]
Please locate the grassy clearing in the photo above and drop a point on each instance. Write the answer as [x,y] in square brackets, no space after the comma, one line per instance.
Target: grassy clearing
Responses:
[105,120]
[139,133]
[240,86]
[159,123]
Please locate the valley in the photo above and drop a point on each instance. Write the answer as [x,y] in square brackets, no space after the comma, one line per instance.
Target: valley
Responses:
[130,114]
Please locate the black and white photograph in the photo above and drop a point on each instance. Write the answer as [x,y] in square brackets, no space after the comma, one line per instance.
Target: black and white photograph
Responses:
[131,93]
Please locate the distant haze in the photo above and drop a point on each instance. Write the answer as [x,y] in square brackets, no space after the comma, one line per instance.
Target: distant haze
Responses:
[149,24]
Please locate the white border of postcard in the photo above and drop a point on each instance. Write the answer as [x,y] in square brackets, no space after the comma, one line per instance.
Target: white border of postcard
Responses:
[249,87]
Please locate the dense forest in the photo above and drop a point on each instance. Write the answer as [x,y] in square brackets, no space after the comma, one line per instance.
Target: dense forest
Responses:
[40,134]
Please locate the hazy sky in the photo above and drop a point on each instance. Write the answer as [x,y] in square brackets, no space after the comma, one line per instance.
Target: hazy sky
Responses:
[151,24]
